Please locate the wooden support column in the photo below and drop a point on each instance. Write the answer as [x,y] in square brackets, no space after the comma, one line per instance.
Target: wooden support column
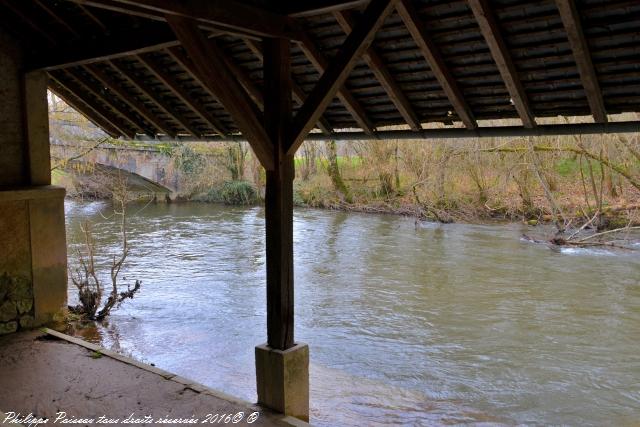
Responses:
[282,365]
[279,195]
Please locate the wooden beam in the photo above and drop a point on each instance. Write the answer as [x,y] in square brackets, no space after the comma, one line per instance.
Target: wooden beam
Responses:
[35,26]
[209,65]
[252,90]
[319,7]
[129,99]
[229,15]
[298,94]
[143,86]
[469,134]
[336,74]
[84,109]
[87,106]
[581,53]
[319,61]
[92,16]
[118,109]
[57,18]
[436,63]
[279,196]
[384,76]
[161,73]
[117,45]
[187,65]
[491,32]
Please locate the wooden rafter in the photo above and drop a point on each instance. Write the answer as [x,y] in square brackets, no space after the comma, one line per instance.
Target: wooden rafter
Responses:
[99,113]
[318,7]
[335,75]
[57,18]
[580,48]
[129,99]
[209,65]
[252,90]
[92,16]
[298,94]
[183,60]
[491,32]
[377,65]
[160,72]
[250,87]
[83,108]
[115,45]
[143,86]
[35,26]
[122,112]
[230,16]
[320,62]
[432,55]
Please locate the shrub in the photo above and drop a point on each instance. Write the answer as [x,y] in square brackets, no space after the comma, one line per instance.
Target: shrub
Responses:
[234,193]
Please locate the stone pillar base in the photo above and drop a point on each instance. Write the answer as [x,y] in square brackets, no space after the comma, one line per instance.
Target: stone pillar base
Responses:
[283,379]
[33,261]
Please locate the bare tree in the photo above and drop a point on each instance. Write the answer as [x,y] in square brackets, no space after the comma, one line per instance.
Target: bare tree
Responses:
[91,290]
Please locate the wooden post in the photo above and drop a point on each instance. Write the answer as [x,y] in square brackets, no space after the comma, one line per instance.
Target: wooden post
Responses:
[279,195]
[282,365]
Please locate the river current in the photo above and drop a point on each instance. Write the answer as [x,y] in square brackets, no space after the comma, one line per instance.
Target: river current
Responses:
[407,324]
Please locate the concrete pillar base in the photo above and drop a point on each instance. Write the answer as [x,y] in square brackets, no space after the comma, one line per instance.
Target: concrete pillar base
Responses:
[283,379]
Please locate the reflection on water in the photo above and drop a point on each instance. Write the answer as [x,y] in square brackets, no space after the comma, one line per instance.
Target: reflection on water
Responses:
[442,324]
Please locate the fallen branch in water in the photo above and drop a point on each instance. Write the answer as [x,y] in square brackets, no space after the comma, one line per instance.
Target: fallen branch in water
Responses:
[586,242]
[617,230]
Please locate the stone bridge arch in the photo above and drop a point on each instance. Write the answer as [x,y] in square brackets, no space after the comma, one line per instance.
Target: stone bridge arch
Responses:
[147,168]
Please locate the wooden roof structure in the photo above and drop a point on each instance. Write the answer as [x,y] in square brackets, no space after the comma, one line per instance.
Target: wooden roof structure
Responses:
[125,66]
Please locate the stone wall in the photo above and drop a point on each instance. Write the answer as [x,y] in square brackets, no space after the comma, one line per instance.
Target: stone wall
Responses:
[16,303]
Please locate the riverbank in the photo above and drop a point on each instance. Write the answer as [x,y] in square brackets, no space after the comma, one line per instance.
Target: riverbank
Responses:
[564,180]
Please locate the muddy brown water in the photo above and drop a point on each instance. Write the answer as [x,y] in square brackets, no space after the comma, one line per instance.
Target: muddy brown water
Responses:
[428,325]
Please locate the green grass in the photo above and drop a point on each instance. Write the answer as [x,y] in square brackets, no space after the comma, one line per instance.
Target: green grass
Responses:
[567,167]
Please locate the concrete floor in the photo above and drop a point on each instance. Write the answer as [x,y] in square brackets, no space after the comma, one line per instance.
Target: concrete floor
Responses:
[44,374]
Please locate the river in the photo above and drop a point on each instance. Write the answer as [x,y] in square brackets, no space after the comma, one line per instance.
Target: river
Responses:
[427,325]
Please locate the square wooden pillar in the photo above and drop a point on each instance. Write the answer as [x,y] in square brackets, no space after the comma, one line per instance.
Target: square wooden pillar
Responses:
[282,366]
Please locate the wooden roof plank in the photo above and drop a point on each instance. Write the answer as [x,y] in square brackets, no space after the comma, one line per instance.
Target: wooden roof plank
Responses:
[84,109]
[35,26]
[377,65]
[318,7]
[124,114]
[93,111]
[320,62]
[491,32]
[357,42]
[128,99]
[436,62]
[184,62]
[252,90]
[115,45]
[57,18]
[571,21]
[178,90]
[143,86]
[209,65]
[231,15]
[299,95]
